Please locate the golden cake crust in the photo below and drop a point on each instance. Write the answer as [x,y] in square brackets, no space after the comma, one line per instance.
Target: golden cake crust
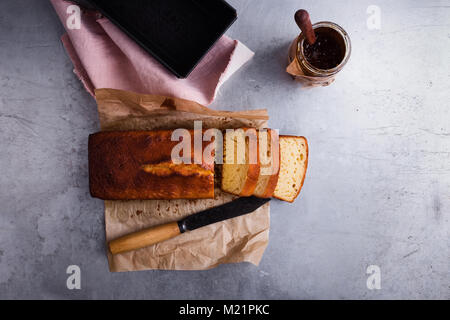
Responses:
[125,165]
[273,180]
[253,169]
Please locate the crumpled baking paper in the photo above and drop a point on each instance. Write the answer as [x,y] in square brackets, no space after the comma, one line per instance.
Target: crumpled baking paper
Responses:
[235,240]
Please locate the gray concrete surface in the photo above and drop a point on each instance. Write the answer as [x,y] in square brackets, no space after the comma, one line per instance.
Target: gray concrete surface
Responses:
[377,191]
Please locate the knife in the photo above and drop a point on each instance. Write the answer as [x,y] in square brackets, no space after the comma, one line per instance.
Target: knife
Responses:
[163,232]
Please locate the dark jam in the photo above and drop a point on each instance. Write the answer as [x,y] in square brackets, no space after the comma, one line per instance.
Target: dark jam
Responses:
[328,50]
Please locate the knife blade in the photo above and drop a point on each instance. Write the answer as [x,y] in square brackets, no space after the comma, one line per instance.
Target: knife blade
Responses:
[163,232]
[226,211]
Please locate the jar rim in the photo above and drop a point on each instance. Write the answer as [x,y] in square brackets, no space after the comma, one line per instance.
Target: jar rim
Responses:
[342,33]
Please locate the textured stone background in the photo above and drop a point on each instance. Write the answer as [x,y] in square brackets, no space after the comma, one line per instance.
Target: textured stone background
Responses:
[377,190]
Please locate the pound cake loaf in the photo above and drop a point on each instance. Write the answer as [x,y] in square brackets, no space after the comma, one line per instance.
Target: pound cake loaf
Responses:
[240,169]
[269,156]
[294,161]
[125,165]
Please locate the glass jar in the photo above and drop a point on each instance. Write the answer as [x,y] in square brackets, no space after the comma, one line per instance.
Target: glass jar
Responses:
[341,38]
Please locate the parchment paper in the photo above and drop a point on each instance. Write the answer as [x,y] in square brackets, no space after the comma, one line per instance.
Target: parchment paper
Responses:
[236,240]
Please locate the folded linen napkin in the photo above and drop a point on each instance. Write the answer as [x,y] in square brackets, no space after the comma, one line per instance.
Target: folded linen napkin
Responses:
[104,57]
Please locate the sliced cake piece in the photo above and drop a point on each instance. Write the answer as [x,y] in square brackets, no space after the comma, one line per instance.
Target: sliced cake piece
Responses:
[269,158]
[294,161]
[240,169]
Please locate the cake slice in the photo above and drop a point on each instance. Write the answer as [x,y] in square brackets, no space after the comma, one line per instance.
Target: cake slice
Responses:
[240,169]
[269,158]
[294,161]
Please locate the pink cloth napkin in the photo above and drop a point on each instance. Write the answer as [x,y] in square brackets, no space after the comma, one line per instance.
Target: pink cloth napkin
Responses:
[104,57]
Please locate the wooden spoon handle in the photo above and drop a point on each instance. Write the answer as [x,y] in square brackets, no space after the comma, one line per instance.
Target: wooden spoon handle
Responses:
[304,23]
[144,238]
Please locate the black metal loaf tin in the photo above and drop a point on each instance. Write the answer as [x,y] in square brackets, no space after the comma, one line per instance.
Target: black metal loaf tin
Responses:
[178,33]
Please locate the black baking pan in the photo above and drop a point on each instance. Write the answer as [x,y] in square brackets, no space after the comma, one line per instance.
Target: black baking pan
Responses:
[178,33]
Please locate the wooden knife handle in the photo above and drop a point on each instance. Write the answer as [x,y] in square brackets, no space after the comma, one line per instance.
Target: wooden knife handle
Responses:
[144,238]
